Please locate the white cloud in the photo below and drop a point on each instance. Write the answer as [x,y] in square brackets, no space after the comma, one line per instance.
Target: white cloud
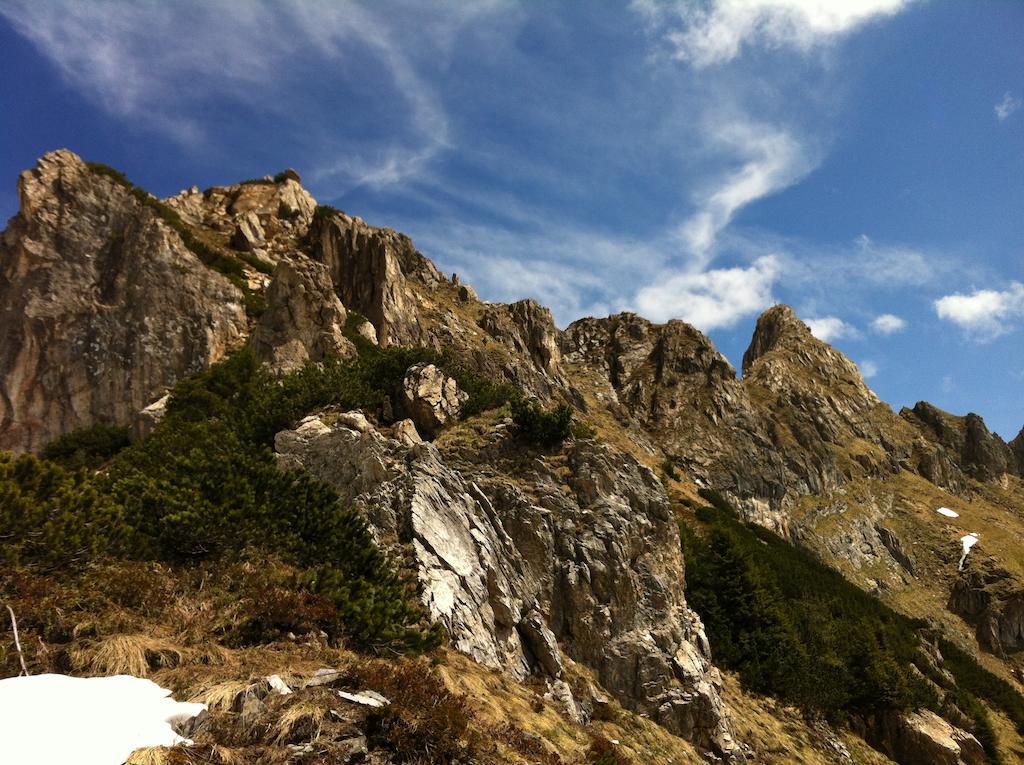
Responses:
[984,313]
[710,299]
[1008,106]
[829,328]
[868,369]
[771,158]
[706,34]
[161,65]
[888,323]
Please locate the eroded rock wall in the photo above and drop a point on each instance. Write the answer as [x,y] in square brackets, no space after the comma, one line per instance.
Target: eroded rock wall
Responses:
[102,307]
[521,562]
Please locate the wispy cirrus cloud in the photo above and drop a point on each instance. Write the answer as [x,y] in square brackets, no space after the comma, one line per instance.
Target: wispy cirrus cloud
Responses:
[161,66]
[758,156]
[705,34]
[769,159]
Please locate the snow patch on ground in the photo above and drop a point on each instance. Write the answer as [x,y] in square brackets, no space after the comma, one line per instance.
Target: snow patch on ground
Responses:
[86,720]
[947,512]
[968,541]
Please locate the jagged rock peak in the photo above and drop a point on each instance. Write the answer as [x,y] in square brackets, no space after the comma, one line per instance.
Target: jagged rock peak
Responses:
[967,440]
[621,344]
[371,268]
[784,356]
[102,305]
[528,328]
[774,325]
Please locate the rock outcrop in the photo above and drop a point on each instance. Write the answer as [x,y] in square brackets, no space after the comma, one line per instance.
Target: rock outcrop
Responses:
[303,321]
[528,329]
[431,398]
[992,599]
[102,306]
[1017,448]
[924,738]
[958,446]
[520,571]
[249,234]
[370,268]
[266,217]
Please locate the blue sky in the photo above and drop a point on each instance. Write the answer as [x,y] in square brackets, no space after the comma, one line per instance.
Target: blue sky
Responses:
[862,160]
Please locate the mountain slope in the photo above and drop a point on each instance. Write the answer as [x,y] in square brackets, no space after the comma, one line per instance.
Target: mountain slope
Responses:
[541,562]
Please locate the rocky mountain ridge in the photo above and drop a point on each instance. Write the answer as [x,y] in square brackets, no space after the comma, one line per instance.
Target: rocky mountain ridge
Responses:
[529,561]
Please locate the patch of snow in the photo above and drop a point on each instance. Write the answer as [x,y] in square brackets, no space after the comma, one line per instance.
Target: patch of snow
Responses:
[366,698]
[947,512]
[86,720]
[968,541]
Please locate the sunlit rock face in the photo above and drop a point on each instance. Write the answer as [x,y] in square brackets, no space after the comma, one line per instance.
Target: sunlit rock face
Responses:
[303,320]
[519,571]
[102,306]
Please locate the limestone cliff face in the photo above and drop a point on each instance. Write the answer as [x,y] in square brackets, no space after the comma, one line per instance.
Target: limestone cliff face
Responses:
[303,320]
[102,307]
[522,563]
[371,268]
[528,329]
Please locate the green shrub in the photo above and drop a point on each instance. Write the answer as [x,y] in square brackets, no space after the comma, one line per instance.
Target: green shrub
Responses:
[535,425]
[204,486]
[978,681]
[53,517]
[255,262]
[196,490]
[87,447]
[795,629]
[325,211]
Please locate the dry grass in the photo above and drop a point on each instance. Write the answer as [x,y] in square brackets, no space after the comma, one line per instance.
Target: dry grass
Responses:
[521,731]
[301,721]
[224,695]
[128,655]
[153,755]
[781,735]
